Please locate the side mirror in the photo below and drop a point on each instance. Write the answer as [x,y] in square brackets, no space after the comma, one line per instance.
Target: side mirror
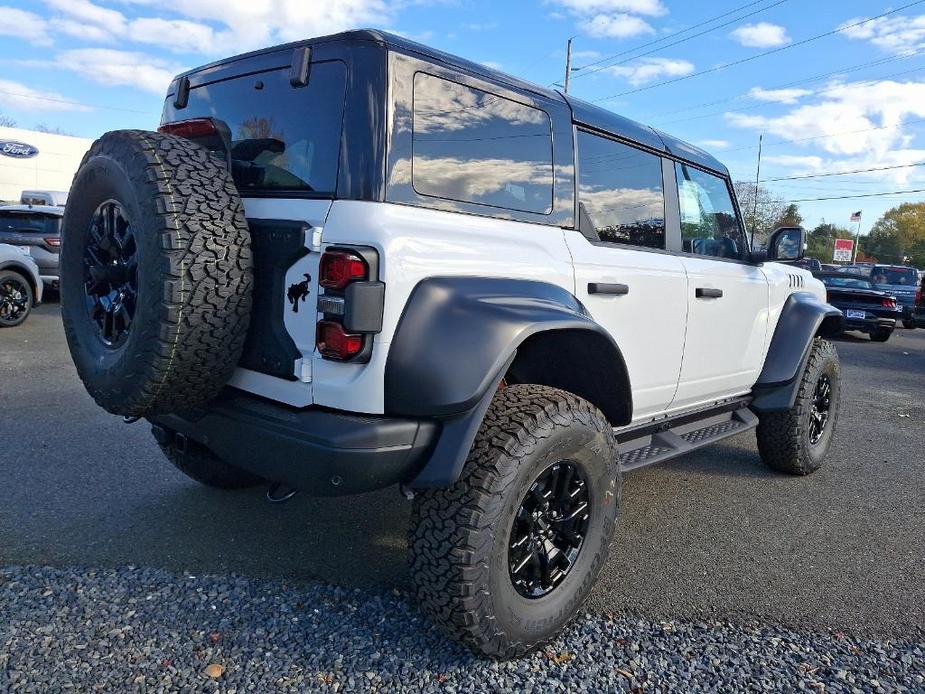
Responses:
[787,244]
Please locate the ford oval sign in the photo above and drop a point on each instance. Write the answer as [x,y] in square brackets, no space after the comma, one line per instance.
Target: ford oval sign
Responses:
[20,150]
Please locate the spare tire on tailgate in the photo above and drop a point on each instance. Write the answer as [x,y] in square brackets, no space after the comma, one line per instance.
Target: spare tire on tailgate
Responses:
[156,273]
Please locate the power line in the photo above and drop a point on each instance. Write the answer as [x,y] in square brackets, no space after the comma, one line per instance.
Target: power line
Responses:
[863,195]
[842,173]
[758,55]
[679,41]
[806,80]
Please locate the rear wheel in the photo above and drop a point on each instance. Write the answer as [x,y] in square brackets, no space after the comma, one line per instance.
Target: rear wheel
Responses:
[909,324]
[881,334]
[504,558]
[15,299]
[199,463]
[797,440]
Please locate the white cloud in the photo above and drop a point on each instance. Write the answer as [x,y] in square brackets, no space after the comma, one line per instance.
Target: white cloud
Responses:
[86,12]
[615,26]
[652,8]
[24,25]
[15,95]
[120,68]
[803,163]
[893,34]
[648,69]
[714,144]
[180,35]
[850,119]
[780,96]
[82,30]
[761,35]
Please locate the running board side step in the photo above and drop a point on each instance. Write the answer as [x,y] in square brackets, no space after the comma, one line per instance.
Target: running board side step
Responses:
[672,441]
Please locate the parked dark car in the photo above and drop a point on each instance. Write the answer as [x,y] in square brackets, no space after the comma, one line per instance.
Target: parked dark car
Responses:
[35,229]
[902,282]
[866,308]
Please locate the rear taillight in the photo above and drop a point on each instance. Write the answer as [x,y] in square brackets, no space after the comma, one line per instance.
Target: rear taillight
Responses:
[918,296]
[53,241]
[335,343]
[340,268]
[889,302]
[192,128]
[351,303]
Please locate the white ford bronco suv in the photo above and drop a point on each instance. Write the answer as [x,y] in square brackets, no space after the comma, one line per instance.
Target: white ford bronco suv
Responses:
[354,262]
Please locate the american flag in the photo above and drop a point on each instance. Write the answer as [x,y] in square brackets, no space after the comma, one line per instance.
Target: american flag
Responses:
[855,216]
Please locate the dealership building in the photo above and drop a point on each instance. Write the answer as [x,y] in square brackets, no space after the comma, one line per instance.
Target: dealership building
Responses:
[32,160]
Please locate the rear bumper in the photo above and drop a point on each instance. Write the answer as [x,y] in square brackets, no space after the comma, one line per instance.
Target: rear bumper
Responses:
[322,452]
[869,324]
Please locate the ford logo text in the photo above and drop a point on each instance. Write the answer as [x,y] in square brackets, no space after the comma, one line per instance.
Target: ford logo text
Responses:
[20,150]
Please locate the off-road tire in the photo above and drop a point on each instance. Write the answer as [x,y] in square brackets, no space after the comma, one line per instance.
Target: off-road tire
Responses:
[459,535]
[15,279]
[881,335]
[910,324]
[194,273]
[783,437]
[199,463]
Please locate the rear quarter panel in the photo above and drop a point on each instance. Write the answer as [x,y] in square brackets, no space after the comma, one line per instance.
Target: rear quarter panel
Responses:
[415,243]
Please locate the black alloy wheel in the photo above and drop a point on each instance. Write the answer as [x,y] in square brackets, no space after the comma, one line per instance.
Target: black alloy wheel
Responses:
[15,299]
[549,530]
[821,405]
[111,273]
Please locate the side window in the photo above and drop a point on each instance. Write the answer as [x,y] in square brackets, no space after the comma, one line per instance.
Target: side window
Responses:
[472,146]
[708,220]
[620,189]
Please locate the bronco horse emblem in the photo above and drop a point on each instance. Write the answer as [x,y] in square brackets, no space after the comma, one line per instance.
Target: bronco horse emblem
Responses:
[298,292]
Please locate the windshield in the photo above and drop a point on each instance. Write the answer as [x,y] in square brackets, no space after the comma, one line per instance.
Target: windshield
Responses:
[846,282]
[888,275]
[47,224]
[279,138]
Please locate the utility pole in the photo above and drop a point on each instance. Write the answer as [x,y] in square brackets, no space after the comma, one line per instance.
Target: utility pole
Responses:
[568,63]
[757,176]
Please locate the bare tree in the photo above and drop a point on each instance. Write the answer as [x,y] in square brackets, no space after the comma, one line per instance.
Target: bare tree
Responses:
[761,210]
[7,121]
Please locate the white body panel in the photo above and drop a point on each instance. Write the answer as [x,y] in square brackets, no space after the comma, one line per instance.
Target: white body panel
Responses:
[681,352]
[415,243]
[726,337]
[647,323]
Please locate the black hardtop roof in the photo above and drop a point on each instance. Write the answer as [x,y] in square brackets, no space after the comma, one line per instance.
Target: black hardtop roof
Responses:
[584,113]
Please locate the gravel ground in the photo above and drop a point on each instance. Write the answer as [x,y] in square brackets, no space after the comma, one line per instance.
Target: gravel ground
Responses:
[149,630]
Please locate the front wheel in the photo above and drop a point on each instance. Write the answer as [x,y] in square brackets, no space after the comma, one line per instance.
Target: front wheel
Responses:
[797,440]
[15,299]
[504,558]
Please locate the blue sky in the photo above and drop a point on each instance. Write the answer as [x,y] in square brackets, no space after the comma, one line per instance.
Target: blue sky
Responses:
[852,100]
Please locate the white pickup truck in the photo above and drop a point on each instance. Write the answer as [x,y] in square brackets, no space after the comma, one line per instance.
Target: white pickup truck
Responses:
[354,262]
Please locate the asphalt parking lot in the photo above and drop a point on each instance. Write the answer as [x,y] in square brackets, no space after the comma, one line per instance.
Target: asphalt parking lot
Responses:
[712,536]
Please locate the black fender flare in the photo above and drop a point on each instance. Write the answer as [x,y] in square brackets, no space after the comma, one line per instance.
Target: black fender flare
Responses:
[803,317]
[454,342]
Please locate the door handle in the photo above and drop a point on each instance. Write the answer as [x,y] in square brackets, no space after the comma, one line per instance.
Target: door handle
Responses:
[612,289]
[708,293]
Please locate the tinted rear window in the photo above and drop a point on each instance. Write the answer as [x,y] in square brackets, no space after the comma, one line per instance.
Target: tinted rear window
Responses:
[473,146]
[886,275]
[30,222]
[282,139]
[846,282]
